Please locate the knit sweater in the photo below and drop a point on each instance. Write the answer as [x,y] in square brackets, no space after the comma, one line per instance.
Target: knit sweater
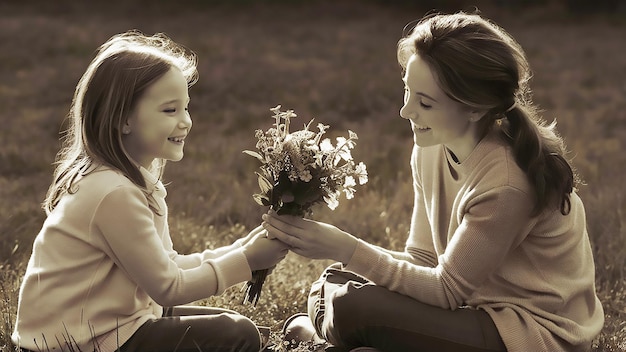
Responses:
[474,242]
[103,264]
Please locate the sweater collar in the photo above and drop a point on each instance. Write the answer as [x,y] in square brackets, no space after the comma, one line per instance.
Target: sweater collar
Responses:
[153,184]
[488,143]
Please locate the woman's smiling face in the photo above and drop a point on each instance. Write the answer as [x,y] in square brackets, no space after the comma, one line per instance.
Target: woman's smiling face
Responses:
[436,118]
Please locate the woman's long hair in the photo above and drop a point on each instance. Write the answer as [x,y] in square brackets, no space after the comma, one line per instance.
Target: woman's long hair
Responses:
[478,64]
[123,68]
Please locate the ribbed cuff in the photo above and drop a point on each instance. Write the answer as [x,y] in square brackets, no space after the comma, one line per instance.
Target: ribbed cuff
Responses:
[363,259]
[231,269]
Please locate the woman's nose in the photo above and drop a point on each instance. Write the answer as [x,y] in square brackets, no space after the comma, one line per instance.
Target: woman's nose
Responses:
[405,113]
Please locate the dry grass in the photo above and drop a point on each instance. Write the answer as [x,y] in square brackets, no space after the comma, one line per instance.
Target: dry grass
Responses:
[332,62]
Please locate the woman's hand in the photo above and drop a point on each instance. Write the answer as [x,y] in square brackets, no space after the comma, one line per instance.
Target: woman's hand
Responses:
[263,252]
[311,239]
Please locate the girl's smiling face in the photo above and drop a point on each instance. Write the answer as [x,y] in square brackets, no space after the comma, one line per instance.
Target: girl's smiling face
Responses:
[436,118]
[160,121]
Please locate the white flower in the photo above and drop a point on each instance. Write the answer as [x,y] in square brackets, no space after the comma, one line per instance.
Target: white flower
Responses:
[342,141]
[349,182]
[361,172]
[322,127]
[348,186]
[319,159]
[343,153]
[332,201]
[326,145]
[305,176]
[276,109]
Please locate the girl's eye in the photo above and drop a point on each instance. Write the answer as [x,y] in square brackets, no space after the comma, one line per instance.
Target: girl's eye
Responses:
[169,110]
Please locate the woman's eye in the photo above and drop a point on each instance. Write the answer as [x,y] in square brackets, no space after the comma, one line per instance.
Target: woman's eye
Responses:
[425,106]
[169,111]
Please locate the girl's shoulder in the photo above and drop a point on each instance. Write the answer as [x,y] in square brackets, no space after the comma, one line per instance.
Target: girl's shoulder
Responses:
[92,188]
[101,180]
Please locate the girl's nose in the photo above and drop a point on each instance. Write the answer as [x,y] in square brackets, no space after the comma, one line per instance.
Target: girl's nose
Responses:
[186,122]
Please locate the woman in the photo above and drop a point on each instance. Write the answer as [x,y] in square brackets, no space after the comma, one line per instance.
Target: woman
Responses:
[498,257]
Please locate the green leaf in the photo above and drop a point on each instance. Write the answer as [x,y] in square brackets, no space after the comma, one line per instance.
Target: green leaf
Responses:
[254,154]
[264,183]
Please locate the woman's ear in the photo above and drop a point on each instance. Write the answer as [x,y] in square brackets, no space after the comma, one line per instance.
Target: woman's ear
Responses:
[476,115]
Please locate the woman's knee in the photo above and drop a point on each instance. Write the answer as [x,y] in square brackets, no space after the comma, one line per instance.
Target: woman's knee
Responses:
[350,310]
[349,301]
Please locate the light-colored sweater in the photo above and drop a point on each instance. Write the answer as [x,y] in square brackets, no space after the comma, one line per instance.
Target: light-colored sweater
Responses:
[473,242]
[103,264]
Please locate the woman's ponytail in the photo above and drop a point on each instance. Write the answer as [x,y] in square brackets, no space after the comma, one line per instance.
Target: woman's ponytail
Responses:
[539,152]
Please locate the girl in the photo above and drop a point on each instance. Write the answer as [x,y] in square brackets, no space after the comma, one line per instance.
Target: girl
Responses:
[103,267]
[498,257]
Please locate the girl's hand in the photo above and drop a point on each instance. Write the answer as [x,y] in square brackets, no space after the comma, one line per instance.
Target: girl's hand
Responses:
[263,253]
[311,239]
[257,230]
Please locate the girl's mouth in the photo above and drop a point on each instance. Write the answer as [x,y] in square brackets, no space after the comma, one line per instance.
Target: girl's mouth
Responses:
[177,140]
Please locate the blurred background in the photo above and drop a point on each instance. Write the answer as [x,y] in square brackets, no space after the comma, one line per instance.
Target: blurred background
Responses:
[334,61]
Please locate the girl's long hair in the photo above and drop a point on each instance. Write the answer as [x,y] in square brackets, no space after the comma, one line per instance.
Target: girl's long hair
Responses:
[480,65]
[123,68]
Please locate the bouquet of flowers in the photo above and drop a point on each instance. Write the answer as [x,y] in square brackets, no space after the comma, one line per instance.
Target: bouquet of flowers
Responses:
[300,169]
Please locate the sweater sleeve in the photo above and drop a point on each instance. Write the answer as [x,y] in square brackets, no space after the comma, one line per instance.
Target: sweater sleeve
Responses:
[419,247]
[420,242]
[127,229]
[192,260]
[493,224]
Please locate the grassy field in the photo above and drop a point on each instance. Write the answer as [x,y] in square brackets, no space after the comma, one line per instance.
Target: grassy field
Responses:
[332,61]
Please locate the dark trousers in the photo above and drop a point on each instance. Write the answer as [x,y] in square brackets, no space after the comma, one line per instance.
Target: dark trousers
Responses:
[192,329]
[350,311]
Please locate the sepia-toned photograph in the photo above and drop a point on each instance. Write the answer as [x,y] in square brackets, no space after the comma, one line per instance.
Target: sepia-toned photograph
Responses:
[312,175]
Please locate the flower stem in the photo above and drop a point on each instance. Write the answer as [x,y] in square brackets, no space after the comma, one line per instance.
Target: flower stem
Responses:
[254,286]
